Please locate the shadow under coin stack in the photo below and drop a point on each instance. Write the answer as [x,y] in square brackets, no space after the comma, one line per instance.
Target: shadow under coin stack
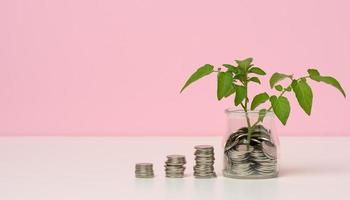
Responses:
[144,170]
[204,157]
[174,166]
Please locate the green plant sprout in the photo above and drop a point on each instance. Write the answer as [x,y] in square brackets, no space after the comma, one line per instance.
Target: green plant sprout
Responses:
[235,79]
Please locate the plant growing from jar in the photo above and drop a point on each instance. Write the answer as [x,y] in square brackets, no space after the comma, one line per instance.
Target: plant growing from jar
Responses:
[250,151]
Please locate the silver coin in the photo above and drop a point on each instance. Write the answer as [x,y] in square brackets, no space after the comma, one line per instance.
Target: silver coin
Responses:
[175,169]
[174,176]
[210,156]
[144,170]
[201,168]
[205,176]
[175,156]
[200,158]
[244,148]
[144,174]
[138,176]
[231,141]
[269,150]
[177,160]
[205,163]
[204,159]
[203,147]
[143,165]
[260,128]
[204,152]
[174,166]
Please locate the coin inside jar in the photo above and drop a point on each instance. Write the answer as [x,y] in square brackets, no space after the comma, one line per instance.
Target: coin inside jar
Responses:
[269,149]
[250,157]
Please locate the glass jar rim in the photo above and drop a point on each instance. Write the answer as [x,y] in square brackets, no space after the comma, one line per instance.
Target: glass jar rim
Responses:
[241,111]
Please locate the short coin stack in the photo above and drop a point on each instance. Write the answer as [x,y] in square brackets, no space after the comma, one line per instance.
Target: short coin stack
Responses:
[204,157]
[144,170]
[174,166]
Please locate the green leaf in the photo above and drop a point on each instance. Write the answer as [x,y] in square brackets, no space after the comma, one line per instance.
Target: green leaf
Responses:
[201,72]
[256,70]
[231,68]
[240,77]
[281,108]
[262,114]
[279,88]
[276,77]
[288,89]
[241,93]
[313,72]
[303,94]
[224,84]
[255,79]
[329,80]
[230,92]
[244,64]
[259,99]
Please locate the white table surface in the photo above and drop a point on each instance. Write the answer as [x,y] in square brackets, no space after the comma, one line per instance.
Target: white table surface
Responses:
[86,168]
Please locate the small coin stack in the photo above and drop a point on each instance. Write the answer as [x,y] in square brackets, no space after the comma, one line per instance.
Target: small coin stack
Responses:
[144,170]
[174,166]
[204,157]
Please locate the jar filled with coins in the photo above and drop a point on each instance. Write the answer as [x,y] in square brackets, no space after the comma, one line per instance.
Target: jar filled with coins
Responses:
[250,145]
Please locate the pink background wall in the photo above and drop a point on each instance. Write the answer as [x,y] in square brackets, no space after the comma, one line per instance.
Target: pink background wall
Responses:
[106,67]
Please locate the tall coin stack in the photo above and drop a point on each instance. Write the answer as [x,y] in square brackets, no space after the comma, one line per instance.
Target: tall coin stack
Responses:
[174,166]
[144,170]
[204,157]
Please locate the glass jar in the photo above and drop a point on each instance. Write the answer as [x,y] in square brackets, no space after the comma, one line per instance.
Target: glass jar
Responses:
[250,145]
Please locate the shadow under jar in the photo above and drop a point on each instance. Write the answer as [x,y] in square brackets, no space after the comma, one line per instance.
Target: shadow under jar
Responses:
[250,145]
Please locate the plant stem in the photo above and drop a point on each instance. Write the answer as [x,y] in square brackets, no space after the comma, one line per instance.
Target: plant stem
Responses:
[249,129]
[246,112]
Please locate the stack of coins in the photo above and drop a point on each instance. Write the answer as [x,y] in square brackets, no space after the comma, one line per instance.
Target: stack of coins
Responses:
[174,166]
[239,160]
[204,157]
[265,158]
[144,170]
[258,159]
